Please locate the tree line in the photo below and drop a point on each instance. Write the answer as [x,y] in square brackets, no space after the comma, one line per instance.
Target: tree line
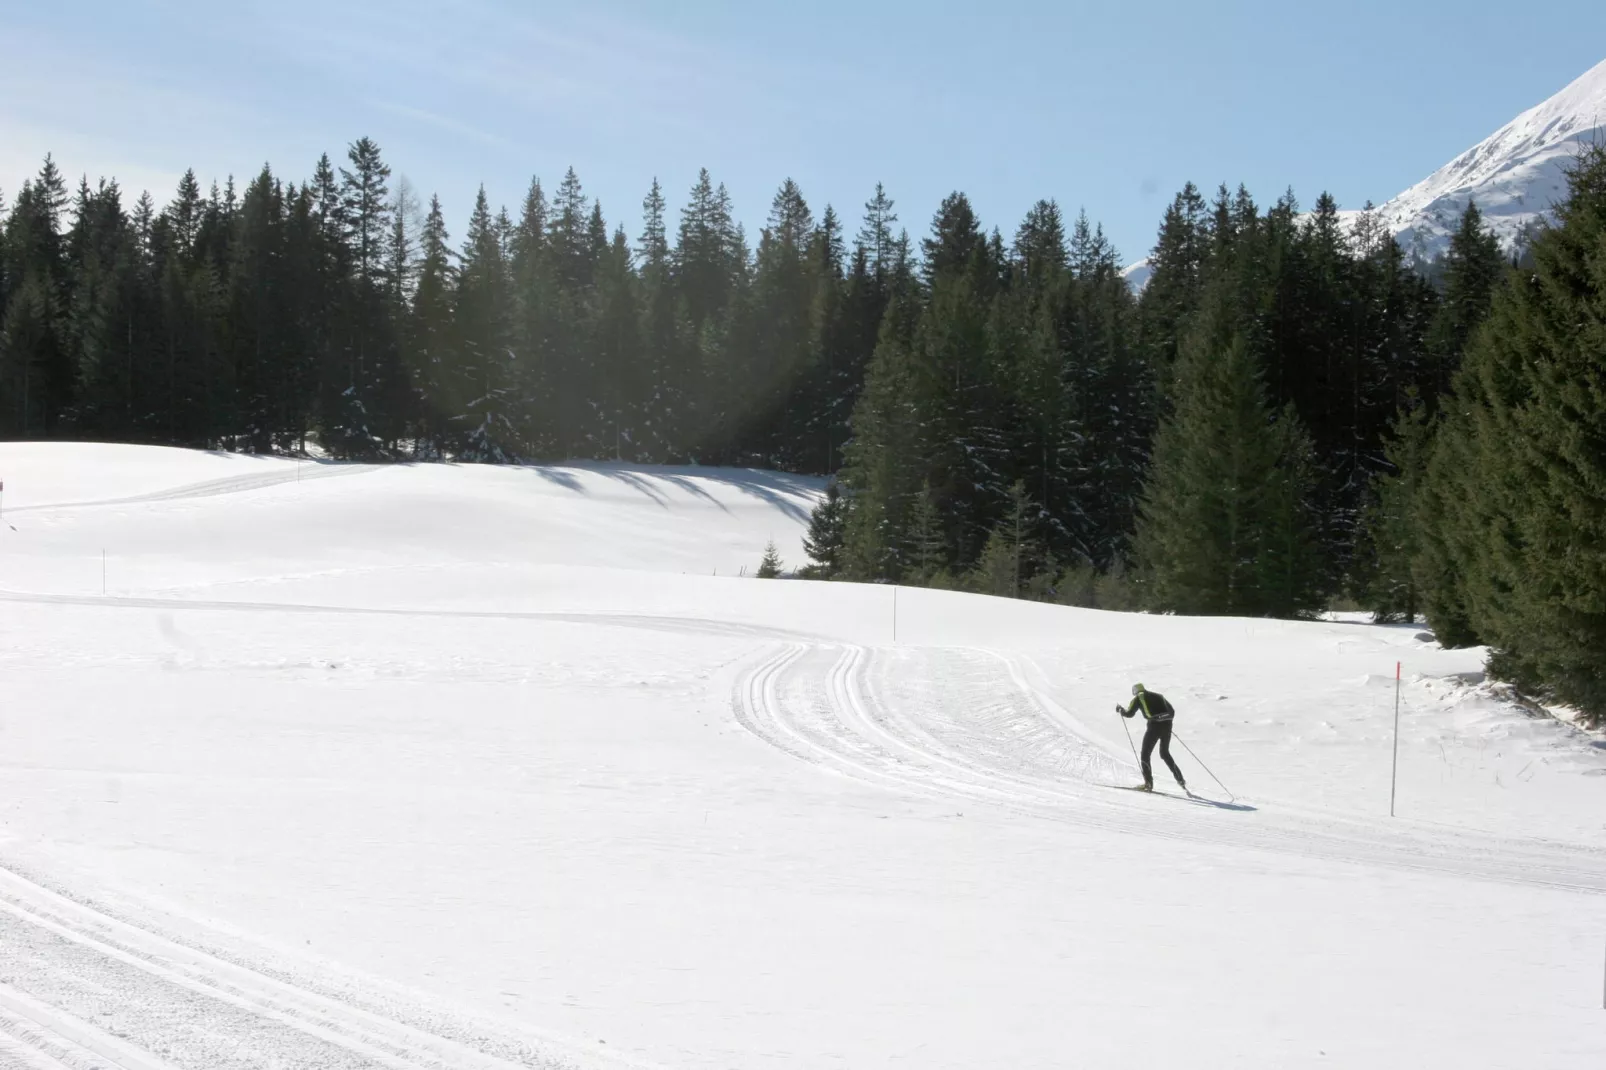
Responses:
[1027,426]
[1290,415]
[340,312]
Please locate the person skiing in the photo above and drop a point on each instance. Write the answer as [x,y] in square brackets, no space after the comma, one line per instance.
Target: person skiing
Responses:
[1158,713]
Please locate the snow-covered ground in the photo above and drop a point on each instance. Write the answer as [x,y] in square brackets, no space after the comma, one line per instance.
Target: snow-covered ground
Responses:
[473,767]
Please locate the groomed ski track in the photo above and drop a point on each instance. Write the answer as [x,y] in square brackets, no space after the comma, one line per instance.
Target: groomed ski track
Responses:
[82,989]
[970,724]
[973,724]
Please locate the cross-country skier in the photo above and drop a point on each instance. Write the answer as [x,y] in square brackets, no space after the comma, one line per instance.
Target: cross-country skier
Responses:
[1157,712]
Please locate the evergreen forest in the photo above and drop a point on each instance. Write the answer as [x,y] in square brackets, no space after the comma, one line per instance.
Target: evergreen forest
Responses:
[1289,417]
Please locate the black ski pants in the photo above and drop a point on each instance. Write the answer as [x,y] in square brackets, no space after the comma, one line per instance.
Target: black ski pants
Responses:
[1158,732]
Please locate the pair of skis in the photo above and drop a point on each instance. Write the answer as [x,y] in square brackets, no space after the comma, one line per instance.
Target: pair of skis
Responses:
[1186,794]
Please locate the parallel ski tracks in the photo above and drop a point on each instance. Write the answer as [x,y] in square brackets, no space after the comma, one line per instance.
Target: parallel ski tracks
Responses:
[81,990]
[985,733]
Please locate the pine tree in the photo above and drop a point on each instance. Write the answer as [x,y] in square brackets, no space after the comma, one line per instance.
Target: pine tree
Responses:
[826,536]
[876,237]
[1039,250]
[1528,542]
[670,371]
[431,353]
[621,387]
[1387,582]
[1011,558]
[1175,288]
[956,241]
[1223,525]
[770,567]
[780,348]
[532,406]
[927,543]
[36,368]
[1471,269]
[483,331]
[882,470]
[257,316]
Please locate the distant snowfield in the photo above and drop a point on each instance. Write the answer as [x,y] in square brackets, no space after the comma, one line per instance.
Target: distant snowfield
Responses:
[440,766]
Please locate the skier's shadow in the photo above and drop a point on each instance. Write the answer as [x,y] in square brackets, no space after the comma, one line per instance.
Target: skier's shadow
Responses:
[1216,804]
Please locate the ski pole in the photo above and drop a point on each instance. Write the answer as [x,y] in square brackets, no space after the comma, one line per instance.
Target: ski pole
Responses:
[1203,766]
[1129,742]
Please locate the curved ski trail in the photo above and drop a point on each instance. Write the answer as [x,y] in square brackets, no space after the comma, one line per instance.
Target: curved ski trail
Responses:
[966,723]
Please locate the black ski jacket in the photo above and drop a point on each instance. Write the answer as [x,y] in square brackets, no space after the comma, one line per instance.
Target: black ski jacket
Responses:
[1153,705]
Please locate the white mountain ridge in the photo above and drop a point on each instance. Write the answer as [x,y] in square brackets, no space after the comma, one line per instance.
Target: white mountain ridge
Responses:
[1516,175]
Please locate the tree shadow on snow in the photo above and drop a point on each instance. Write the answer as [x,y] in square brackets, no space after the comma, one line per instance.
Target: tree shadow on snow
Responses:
[790,494]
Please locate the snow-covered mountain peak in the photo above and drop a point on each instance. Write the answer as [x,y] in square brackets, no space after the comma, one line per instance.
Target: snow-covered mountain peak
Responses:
[1516,175]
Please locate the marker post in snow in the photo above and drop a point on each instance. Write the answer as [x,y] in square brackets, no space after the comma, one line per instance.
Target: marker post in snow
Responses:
[1394,772]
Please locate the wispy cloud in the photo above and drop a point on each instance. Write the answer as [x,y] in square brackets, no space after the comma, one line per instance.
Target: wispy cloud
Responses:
[501,62]
[444,123]
[100,116]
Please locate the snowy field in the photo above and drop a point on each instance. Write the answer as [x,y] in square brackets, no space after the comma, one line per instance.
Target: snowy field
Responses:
[429,767]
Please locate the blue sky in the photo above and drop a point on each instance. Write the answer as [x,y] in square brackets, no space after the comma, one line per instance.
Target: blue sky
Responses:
[1110,107]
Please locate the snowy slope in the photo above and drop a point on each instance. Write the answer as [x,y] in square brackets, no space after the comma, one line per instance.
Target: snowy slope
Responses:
[469,767]
[1516,175]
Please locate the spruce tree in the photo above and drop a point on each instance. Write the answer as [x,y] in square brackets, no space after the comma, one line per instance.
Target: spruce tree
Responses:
[1471,269]
[35,361]
[671,374]
[826,535]
[927,542]
[483,329]
[1010,558]
[770,567]
[1386,579]
[1530,542]
[431,354]
[534,299]
[1223,526]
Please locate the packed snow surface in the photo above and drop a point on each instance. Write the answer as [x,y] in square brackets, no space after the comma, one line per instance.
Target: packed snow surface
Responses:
[435,766]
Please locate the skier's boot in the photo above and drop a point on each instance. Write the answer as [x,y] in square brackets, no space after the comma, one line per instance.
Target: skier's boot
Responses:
[1146,786]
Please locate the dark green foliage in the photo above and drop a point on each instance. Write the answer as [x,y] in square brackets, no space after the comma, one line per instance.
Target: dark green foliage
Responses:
[769,567]
[1385,579]
[1225,525]
[1516,484]
[1471,270]
[1012,559]
[827,536]
[990,407]
[485,425]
